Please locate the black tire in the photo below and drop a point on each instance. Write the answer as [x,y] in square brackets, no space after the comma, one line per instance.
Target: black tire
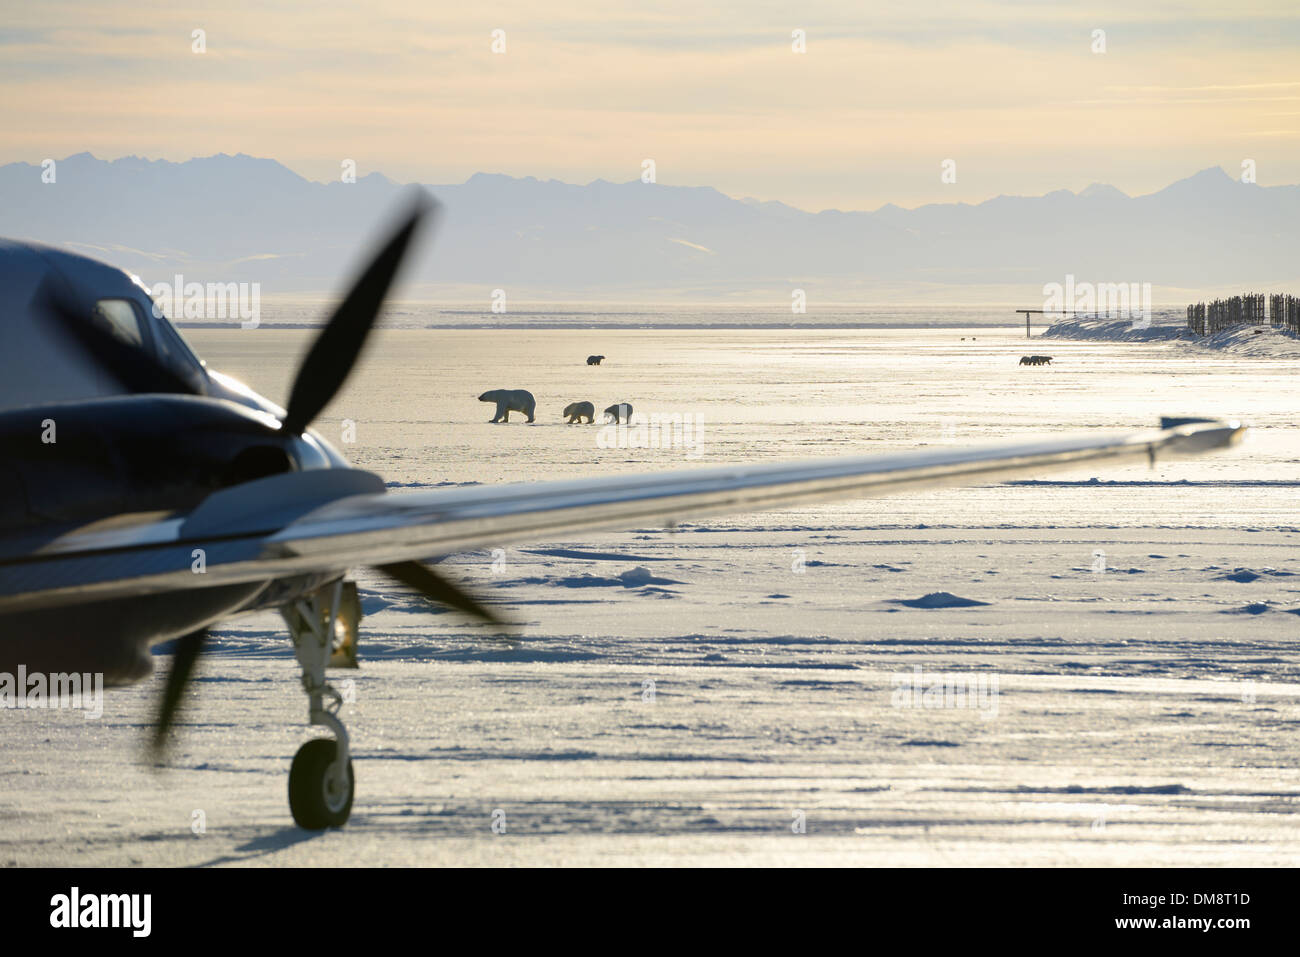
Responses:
[313,808]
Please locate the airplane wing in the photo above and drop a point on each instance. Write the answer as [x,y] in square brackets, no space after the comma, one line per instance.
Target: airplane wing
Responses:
[330,520]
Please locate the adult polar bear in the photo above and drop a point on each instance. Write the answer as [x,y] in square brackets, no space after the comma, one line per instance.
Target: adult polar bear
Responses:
[510,400]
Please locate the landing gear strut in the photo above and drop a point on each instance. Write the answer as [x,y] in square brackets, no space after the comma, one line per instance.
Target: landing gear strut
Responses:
[320,779]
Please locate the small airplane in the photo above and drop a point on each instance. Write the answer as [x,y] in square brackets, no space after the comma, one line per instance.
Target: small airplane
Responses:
[147,497]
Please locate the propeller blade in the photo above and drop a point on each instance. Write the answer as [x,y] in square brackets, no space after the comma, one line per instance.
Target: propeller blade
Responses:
[187,653]
[337,348]
[434,587]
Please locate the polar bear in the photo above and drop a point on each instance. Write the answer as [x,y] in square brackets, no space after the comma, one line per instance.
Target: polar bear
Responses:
[510,400]
[577,411]
[594,360]
[620,408]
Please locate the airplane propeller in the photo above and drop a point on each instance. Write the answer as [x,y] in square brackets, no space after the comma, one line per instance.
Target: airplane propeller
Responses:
[337,348]
[439,590]
[188,649]
[320,376]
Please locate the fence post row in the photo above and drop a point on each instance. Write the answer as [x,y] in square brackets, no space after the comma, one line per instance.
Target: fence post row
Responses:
[1205,319]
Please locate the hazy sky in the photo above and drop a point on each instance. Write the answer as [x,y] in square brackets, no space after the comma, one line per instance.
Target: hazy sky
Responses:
[712,92]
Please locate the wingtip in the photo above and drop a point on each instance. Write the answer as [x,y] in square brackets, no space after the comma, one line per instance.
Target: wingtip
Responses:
[1195,434]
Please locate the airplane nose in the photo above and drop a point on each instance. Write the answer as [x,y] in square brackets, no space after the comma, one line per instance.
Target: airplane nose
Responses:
[321,453]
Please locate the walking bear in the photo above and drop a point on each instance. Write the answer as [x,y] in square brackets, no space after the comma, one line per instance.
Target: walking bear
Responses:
[620,409]
[577,411]
[594,360]
[510,400]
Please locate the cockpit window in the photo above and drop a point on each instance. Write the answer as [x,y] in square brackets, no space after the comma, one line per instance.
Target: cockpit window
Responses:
[119,317]
[129,322]
[176,354]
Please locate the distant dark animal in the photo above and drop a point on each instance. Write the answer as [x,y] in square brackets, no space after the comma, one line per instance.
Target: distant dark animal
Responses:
[1035,360]
[577,411]
[594,360]
[510,400]
[620,409]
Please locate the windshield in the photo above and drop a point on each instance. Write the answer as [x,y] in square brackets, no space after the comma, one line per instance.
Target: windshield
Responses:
[177,355]
[137,324]
[121,319]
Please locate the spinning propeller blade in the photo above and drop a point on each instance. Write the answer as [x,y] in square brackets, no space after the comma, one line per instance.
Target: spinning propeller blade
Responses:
[321,374]
[434,587]
[187,653]
[339,344]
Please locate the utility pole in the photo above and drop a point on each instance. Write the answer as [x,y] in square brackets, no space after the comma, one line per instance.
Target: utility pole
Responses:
[1042,312]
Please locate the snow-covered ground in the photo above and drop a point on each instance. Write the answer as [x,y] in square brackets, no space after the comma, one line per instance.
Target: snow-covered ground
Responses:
[693,696]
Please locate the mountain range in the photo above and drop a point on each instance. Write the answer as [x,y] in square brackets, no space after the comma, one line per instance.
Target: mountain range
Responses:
[241,218]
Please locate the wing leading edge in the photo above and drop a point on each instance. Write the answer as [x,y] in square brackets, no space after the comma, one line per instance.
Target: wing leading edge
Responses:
[307,523]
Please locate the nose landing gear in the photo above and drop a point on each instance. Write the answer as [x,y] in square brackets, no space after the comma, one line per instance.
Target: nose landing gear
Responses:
[321,782]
